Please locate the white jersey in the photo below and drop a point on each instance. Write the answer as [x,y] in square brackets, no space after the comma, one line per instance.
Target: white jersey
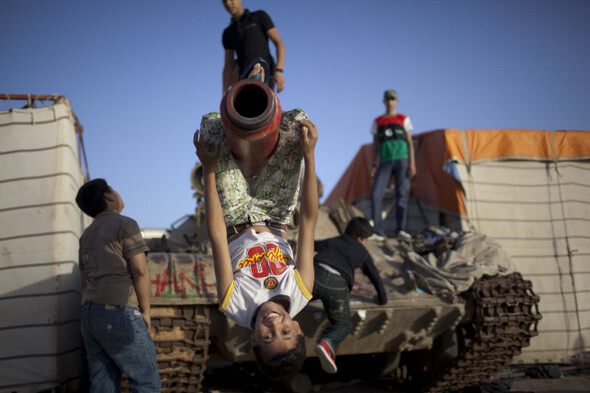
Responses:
[263,267]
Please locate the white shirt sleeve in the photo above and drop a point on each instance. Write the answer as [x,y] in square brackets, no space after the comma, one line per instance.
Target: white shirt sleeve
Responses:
[374,127]
[408,124]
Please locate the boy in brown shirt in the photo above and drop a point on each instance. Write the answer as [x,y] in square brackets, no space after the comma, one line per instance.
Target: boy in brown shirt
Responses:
[116,294]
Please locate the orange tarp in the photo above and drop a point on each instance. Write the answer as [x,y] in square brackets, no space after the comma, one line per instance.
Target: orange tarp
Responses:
[431,183]
[517,144]
[356,181]
[433,149]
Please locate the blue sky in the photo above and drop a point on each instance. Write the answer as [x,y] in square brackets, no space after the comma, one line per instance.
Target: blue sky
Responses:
[140,74]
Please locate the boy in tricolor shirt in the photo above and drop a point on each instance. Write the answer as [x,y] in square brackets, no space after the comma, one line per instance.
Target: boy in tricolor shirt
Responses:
[259,284]
[392,155]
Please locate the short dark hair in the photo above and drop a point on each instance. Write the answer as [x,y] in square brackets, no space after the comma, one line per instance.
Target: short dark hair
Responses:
[281,366]
[90,197]
[359,227]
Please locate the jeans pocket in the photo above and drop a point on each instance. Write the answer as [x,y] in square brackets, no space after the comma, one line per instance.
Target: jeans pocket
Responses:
[138,324]
[114,332]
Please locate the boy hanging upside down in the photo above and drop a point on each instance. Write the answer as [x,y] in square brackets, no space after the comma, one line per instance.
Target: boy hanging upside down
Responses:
[260,284]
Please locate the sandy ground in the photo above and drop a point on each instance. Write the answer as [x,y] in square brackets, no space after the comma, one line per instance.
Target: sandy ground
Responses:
[244,378]
[572,383]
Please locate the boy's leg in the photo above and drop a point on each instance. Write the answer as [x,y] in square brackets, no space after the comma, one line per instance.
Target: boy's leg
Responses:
[104,374]
[232,187]
[264,74]
[402,193]
[139,362]
[277,191]
[124,337]
[332,289]
[379,185]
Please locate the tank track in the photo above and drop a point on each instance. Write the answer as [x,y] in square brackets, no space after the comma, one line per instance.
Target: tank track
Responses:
[181,336]
[503,318]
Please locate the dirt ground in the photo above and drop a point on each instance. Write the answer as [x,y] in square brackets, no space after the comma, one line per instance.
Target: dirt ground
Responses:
[565,384]
[240,378]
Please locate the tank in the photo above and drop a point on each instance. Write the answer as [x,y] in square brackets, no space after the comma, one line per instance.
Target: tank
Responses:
[439,341]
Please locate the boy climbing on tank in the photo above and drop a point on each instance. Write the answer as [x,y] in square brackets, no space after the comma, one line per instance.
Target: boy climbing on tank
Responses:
[335,262]
[260,284]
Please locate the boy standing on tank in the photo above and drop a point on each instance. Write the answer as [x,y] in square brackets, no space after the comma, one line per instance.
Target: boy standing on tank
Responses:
[392,154]
[116,288]
[247,36]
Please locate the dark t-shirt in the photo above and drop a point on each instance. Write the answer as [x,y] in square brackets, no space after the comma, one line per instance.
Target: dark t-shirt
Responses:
[345,253]
[248,38]
[105,249]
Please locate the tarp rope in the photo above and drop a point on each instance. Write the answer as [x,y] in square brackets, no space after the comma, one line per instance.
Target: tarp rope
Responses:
[81,148]
[467,158]
[9,102]
[567,240]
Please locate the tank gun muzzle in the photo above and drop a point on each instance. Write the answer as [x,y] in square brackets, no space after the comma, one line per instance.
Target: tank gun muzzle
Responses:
[251,116]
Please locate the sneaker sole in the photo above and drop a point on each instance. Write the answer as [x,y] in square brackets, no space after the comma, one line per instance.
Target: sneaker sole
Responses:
[325,360]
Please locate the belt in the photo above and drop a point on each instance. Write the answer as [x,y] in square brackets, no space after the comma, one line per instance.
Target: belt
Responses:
[235,229]
[329,269]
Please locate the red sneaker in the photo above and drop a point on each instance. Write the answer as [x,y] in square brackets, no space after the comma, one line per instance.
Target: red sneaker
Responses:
[322,349]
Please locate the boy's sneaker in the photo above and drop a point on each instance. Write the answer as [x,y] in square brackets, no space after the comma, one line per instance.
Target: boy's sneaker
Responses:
[322,349]
[404,234]
[376,237]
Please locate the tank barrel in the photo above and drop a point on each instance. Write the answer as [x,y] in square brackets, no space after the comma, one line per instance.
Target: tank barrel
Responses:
[251,115]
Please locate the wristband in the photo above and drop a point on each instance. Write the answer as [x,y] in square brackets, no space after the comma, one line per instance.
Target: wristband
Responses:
[280,70]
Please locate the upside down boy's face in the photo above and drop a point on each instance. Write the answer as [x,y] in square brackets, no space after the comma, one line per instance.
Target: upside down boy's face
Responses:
[274,329]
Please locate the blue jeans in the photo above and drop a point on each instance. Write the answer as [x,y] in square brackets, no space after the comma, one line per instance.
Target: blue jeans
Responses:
[117,341]
[332,289]
[399,170]
[268,73]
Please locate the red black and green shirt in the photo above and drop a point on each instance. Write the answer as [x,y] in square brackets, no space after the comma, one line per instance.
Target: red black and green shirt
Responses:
[391,131]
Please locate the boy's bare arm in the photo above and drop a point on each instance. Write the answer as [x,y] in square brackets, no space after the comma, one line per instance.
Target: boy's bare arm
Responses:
[412,161]
[374,156]
[309,205]
[228,70]
[83,280]
[215,222]
[274,36]
[142,282]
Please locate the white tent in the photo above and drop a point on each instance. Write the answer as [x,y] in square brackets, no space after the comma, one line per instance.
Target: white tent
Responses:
[40,172]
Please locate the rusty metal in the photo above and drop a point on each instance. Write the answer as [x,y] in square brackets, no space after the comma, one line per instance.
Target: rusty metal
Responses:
[251,115]
[181,335]
[182,278]
[31,98]
[183,287]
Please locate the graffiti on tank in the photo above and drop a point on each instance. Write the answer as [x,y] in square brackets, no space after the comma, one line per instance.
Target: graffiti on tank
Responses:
[182,280]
